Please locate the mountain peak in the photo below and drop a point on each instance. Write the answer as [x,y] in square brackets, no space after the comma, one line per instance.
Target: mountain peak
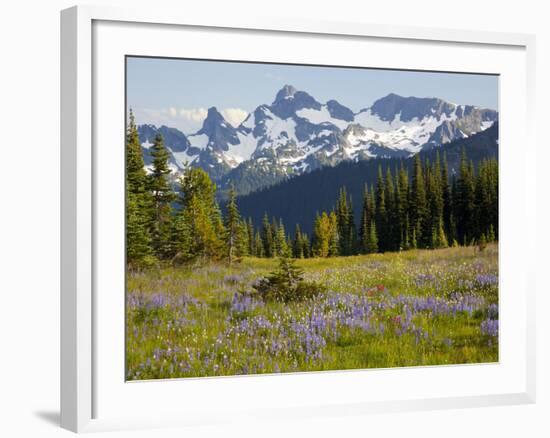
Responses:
[214,120]
[213,112]
[286,92]
[388,107]
[289,100]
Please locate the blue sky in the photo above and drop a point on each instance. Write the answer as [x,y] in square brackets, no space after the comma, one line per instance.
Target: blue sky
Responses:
[178,92]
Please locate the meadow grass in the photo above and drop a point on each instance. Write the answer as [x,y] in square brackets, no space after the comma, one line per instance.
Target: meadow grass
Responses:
[421,307]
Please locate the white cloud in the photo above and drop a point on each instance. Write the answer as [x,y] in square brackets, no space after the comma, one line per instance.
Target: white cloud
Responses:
[193,114]
[235,116]
[187,120]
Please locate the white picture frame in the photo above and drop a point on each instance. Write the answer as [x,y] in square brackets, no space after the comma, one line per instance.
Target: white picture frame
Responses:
[83,379]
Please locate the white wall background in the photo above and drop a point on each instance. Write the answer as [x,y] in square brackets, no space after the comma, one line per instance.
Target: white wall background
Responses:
[29,215]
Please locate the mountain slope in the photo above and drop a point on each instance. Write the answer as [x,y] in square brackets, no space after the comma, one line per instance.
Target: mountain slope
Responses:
[297,200]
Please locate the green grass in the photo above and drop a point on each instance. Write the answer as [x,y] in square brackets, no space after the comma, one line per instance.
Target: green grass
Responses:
[385,310]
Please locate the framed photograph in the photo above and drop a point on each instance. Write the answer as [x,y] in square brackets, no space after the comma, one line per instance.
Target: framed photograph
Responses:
[278,218]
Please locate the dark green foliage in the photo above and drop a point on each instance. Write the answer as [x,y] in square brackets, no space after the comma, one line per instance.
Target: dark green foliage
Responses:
[286,284]
[135,172]
[402,208]
[139,250]
[297,244]
[464,206]
[346,237]
[251,237]
[139,253]
[417,203]
[162,198]
[280,242]
[236,230]
[267,238]
[258,245]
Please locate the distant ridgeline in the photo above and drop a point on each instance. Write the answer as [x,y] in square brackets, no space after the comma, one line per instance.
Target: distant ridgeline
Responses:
[297,200]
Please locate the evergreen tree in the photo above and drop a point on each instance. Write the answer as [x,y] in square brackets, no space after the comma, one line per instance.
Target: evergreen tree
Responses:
[373,238]
[447,199]
[391,243]
[250,236]
[465,202]
[267,238]
[321,235]
[182,240]
[402,207]
[135,167]
[234,242]
[306,245]
[417,203]
[281,247]
[139,251]
[367,216]
[200,216]
[162,196]
[381,214]
[297,244]
[345,223]
[258,245]
[486,199]
[333,239]
[439,238]
[138,241]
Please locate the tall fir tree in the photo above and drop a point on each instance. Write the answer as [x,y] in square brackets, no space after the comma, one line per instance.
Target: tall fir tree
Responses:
[139,250]
[135,170]
[235,230]
[392,243]
[297,244]
[333,236]
[402,207]
[447,199]
[281,247]
[250,236]
[258,245]
[380,217]
[465,202]
[162,195]
[417,202]
[345,223]
[367,215]
[138,240]
[306,245]
[373,238]
[267,238]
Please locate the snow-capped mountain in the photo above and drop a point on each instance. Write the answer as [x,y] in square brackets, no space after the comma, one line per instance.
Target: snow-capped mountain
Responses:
[296,133]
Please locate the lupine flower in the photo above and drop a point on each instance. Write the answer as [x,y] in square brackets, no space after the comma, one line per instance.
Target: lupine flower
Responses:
[489,327]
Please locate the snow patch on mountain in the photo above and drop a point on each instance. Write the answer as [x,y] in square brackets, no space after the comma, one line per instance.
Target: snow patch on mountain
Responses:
[198,140]
[320,116]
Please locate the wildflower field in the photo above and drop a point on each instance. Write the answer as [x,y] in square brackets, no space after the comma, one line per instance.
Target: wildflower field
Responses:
[419,307]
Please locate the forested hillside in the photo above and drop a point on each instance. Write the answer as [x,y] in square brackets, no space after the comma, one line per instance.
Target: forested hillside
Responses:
[297,200]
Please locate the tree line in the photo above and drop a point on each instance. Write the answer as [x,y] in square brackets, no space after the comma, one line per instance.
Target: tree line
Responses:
[427,209]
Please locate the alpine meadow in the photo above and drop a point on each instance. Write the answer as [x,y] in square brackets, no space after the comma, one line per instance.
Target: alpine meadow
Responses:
[304,234]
